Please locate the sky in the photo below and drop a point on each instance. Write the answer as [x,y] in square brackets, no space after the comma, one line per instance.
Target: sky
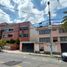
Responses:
[16,11]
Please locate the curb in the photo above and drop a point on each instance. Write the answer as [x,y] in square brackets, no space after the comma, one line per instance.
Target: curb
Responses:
[34,54]
[44,55]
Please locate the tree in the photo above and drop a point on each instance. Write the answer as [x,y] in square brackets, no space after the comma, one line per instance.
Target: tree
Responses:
[11,41]
[2,44]
[64,25]
[17,41]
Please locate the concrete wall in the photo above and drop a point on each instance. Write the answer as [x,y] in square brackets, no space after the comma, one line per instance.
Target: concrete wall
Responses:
[55,47]
[33,34]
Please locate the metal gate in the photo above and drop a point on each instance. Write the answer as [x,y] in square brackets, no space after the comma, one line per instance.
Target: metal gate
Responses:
[28,47]
[63,47]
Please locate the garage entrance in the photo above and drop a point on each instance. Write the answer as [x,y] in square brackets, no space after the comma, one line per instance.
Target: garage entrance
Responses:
[28,47]
[63,47]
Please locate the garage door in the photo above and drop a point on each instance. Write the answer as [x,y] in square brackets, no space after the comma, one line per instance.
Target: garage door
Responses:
[63,47]
[28,47]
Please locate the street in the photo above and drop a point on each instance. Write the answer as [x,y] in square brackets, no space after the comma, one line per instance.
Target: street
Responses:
[21,60]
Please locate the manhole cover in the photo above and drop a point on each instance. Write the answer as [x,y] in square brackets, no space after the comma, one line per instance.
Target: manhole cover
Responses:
[11,63]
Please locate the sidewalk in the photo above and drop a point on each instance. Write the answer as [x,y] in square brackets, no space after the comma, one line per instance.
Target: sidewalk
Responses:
[34,54]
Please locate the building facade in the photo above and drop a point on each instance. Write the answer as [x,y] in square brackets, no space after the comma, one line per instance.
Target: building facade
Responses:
[15,31]
[24,31]
[58,36]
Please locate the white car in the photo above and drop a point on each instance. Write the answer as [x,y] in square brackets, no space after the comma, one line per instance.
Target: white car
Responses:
[64,56]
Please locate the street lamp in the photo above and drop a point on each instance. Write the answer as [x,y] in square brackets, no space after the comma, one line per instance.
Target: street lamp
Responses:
[50,27]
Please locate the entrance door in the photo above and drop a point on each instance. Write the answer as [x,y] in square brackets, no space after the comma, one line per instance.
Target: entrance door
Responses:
[28,47]
[63,47]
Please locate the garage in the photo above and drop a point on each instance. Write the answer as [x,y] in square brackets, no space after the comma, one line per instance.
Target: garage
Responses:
[28,47]
[63,47]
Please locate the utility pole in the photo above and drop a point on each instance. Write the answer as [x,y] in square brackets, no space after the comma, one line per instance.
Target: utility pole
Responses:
[50,27]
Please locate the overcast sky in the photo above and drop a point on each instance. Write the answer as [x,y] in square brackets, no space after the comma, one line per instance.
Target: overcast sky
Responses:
[31,10]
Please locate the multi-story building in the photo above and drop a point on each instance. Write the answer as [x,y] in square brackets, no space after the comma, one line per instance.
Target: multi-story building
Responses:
[9,31]
[58,36]
[24,31]
[35,39]
[15,31]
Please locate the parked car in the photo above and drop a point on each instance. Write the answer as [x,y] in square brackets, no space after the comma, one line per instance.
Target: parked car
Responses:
[64,56]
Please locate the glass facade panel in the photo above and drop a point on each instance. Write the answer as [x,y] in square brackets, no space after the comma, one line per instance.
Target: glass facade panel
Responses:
[44,39]
[63,38]
[24,28]
[44,31]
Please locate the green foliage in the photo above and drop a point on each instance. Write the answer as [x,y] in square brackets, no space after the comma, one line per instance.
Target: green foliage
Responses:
[7,41]
[64,25]
[2,43]
[11,41]
[17,41]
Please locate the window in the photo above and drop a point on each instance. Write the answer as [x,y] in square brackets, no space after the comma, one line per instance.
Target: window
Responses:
[44,39]
[6,30]
[24,28]
[63,38]
[23,35]
[54,29]
[5,36]
[10,30]
[44,31]
[10,35]
[55,39]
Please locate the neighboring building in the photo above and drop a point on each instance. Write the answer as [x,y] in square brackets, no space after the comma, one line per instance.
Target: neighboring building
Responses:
[58,36]
[24,31]
[15,31]
[29,45]
[10,31]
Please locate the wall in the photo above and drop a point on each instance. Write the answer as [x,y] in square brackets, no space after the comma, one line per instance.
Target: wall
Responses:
[33,34]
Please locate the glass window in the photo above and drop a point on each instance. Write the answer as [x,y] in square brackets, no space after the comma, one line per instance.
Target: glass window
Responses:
[63,38]
[54,29]
[23,35]
[10,35]
[55,39]
[24,28]
[10,30]
[44,39]
[5,36]
[44,31]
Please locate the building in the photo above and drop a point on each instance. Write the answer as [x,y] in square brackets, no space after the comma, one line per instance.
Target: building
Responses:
[35,39]
[29,45]
[58,36]
[15,31]
[24,31]
[9,31]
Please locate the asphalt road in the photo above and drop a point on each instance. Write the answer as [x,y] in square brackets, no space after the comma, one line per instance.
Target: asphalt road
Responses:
[21,60]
